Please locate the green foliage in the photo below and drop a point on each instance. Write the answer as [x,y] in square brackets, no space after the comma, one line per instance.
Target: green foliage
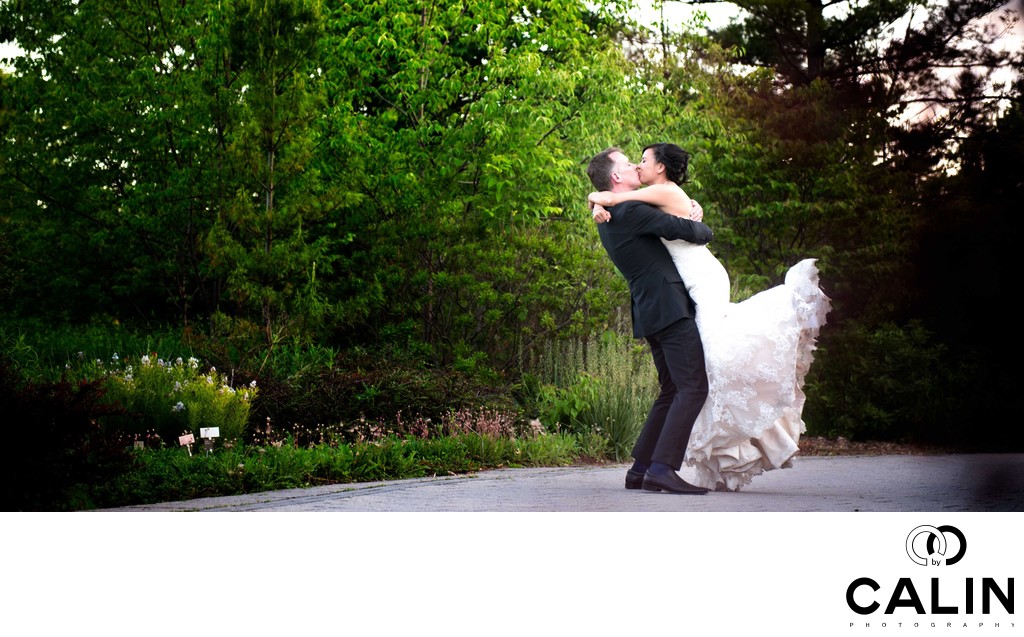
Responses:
[596,445]
[116,96]
[7,273]
[184,134]
[562,406]
[463,139]
[77,451]
[46,352]
[261,243]
[284,171]
[375,208]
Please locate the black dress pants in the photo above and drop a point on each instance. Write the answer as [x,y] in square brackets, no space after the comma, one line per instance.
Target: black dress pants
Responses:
[679,358]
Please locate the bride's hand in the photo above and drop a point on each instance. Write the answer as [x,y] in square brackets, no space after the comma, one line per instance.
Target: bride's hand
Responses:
[599,214]
[696,212]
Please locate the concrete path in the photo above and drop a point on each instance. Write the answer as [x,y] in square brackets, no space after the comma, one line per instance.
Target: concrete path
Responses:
[967,482]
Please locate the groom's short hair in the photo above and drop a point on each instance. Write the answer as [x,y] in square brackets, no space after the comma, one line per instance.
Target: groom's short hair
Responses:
[600,168]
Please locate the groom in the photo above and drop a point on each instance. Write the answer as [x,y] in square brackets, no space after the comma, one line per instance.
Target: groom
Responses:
[663,313]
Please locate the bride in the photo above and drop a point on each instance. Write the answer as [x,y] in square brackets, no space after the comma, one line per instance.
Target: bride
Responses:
[757,352]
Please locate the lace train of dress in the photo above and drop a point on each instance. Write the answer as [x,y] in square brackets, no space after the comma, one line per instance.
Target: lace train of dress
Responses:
[758,353]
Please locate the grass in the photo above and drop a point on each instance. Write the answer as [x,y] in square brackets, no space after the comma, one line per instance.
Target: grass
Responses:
[170,474]
[44,352]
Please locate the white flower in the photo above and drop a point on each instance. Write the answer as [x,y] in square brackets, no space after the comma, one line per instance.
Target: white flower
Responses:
[193,362]
[253,384]
[178,361]
[145,360]
[177,385]
[180,406]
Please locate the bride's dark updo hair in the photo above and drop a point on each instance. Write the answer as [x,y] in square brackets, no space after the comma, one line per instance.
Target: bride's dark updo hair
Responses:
[675,159]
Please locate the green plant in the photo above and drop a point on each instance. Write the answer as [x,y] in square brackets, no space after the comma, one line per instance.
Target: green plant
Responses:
[595,445]
[168,398]
[600,386]
[562,406]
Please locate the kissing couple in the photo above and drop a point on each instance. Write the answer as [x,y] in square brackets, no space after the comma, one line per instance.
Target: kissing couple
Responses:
[730,375]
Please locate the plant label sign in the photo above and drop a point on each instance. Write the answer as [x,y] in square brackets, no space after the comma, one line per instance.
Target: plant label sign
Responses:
[187,439]
[209,432]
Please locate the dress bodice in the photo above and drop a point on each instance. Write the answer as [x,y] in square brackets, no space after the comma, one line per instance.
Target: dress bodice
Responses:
[706,280]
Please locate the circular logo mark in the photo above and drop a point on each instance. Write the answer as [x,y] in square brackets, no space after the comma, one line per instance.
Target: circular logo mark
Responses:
[921,545]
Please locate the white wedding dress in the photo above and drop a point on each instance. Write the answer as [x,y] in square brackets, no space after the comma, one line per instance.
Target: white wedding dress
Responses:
[758,353]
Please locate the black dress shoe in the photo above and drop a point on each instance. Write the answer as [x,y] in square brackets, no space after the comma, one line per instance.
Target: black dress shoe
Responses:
[634,479]
[672,483]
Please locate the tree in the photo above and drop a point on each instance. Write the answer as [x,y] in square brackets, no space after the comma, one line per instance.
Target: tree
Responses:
[890,59]
[783,172]
[114,155]
[264,243]
[462,133]
[158,158]
[217,158]
[965,246]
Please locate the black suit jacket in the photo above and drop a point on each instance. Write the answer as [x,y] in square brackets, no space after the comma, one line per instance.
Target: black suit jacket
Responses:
[633,241]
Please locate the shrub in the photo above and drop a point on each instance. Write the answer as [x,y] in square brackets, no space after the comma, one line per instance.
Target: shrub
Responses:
[364,393]
[885,383]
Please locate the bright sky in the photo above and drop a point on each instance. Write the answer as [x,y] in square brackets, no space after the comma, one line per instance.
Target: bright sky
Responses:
[676,12]
[6,51]
[720,13]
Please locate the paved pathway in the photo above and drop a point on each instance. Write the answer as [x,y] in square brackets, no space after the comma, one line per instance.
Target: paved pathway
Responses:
[967,482]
